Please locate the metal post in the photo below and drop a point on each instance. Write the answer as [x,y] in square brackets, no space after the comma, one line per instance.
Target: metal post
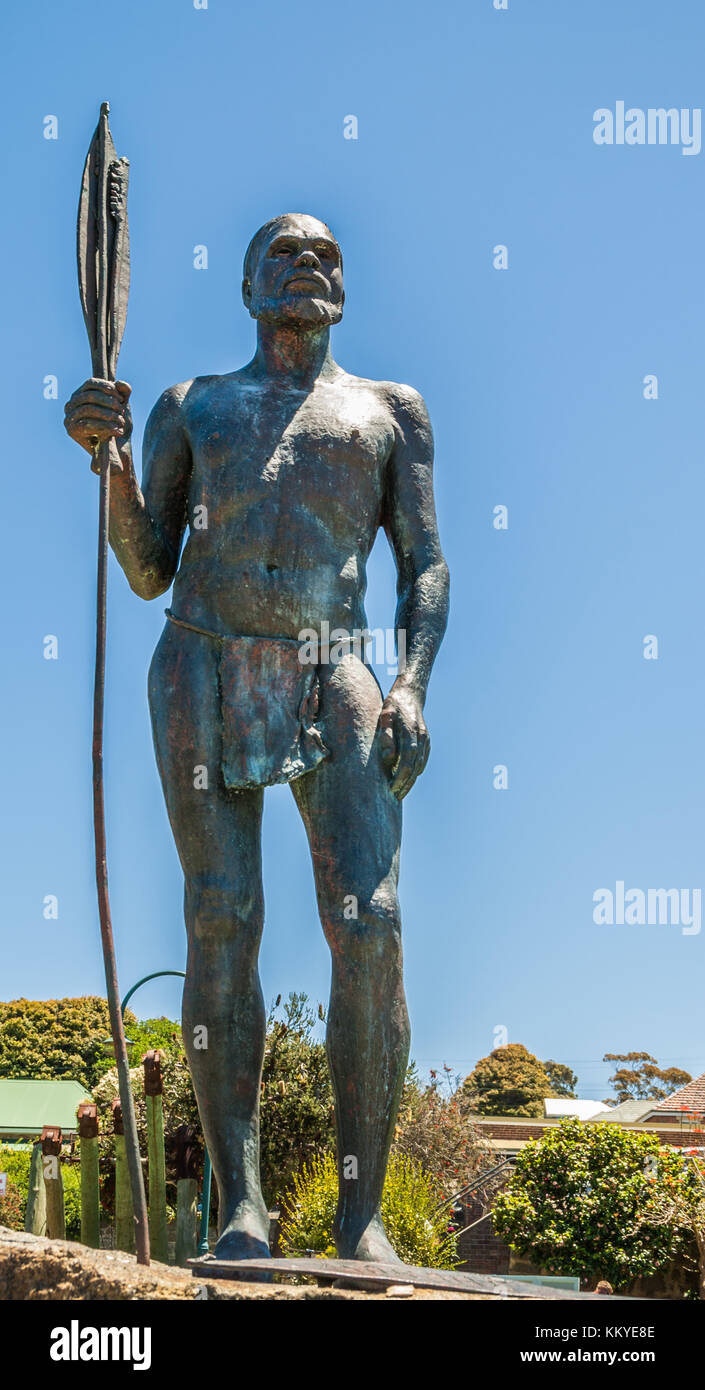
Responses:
[205,1204]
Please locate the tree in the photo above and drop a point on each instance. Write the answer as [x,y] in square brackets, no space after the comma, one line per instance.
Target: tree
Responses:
[678,1198]
[51,1039]
[436,1133]
[644,1079]
[563,1080]
[511,1081]
[581,1202]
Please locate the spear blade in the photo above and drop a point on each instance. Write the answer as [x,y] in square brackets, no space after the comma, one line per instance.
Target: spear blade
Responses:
[103,248]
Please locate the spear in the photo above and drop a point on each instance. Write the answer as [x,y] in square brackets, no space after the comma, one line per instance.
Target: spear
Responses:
[104,280]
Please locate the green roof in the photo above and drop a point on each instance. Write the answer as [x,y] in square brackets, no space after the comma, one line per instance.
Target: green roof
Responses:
[26,1106]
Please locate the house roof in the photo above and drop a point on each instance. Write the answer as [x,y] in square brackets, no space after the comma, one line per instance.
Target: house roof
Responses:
[26,1106]
[628,1112]
[689,1097]
[558,1107]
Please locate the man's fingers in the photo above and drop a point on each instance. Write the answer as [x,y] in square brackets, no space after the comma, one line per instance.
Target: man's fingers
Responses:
[412,761]
[403,776]
[104,414]
[388,742]
[91,395]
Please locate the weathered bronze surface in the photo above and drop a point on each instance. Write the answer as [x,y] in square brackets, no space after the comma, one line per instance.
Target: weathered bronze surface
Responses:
[284,471]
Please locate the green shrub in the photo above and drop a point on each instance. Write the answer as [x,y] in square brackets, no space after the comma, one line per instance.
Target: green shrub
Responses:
[12,1207]
[417,1230]
[71,1175]
[16,1162]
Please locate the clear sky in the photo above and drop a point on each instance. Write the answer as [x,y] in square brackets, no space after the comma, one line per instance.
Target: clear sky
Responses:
[475,129]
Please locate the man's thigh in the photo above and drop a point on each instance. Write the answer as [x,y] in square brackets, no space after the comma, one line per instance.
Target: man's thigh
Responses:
[352,820]
[217,832]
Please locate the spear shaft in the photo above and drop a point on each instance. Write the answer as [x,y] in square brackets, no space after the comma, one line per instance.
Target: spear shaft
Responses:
[103,282]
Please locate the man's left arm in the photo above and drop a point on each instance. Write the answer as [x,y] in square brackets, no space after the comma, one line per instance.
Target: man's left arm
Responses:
[409,521]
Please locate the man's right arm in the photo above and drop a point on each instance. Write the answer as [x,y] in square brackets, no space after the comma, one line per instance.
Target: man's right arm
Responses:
[146,523]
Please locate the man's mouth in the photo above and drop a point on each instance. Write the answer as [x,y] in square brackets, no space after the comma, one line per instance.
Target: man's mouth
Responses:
[306,282]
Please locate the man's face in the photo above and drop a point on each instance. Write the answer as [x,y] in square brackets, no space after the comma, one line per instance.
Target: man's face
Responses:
[297,277]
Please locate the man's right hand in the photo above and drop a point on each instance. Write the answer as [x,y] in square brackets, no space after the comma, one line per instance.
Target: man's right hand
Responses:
[97,411]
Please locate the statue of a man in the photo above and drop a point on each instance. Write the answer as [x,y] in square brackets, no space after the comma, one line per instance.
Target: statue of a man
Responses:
[283,472]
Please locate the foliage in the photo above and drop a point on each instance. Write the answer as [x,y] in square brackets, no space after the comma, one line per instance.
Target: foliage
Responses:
[416,1228]
[641,1081]
[71,1175]
[434,1130]
[16,1163]
[581,1202]
[563,1081]
[155,1035]
[511,1081]
[51,1039]
[678,1199]
[12,1206]
[296,1104]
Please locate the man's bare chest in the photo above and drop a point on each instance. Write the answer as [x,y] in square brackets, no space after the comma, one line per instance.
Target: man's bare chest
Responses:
[329,440]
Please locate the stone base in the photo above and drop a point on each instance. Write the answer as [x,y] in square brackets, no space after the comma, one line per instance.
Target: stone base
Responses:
[35,1268]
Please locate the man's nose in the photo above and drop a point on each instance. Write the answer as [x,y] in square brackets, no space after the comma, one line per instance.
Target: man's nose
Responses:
[308,258]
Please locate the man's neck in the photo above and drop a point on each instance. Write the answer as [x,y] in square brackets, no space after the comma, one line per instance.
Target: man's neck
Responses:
[293,356]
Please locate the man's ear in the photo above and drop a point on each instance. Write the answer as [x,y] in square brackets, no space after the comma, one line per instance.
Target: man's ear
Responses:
[246,291]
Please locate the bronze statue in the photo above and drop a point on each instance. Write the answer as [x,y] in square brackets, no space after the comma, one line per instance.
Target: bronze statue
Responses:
[283,472]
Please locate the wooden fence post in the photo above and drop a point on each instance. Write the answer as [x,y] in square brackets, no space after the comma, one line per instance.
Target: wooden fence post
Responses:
[124,1217]
[153,1088]
[35,1219]
[186,1195]
[90,1174]
[53,1182]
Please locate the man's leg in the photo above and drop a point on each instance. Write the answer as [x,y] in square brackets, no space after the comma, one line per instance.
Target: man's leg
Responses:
[354,828]
[218,837]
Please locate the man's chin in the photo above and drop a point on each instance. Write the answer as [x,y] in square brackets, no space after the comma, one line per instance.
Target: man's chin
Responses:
[300,312]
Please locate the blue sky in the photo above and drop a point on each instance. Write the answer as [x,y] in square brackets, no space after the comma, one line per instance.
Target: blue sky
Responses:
[475,129]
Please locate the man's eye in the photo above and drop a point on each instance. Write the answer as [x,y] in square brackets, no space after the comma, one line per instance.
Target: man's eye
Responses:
[324,253]
[283,251]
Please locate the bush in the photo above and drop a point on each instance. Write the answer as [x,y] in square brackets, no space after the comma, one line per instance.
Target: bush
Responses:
[16,1163]
[296,1103]
[581,1201]
[416,1228]
[12,1207]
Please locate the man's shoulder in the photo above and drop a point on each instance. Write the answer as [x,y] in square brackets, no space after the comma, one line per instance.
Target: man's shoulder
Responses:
[175,400]
[406,404]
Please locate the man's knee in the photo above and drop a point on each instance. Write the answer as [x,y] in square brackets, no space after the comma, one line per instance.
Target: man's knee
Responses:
[223,911]
[360,927]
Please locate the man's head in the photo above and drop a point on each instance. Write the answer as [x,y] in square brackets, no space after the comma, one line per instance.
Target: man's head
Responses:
[293,273]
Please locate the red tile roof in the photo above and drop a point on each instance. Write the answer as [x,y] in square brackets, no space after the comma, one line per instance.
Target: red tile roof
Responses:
[690,1097]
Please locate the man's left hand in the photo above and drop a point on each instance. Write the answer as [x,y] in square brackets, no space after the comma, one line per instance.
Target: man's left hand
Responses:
[405,741]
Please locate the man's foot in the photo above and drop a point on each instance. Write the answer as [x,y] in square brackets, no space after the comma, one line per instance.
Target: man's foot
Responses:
[373,1244]
[245,1236]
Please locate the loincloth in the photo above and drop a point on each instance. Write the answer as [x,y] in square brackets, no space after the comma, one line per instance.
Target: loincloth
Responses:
[268,707]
